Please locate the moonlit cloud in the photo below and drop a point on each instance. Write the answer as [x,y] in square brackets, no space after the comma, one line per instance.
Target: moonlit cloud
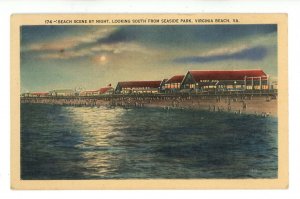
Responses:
[70,47]
[70,42]
[120,47]
[65,54]
[252,54]
[225,50]
[94,50]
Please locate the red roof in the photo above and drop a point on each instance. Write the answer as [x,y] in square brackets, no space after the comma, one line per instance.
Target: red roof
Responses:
[226,74]
[175,79]
[105,89]
[101,90]
[39,93]
[136,84]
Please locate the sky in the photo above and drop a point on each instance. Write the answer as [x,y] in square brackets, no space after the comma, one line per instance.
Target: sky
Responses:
[91,57]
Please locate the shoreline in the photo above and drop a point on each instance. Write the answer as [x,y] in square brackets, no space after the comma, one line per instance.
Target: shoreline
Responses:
[254,105]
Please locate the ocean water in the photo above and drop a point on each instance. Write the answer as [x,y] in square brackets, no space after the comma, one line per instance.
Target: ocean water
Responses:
[60,142]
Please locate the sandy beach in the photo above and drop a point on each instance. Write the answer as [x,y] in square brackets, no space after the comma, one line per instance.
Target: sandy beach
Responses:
[258,105]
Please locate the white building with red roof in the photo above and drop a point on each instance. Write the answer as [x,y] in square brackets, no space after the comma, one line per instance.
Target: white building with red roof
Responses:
[37,94]
[101,91]
[226,80]
[173,84]
[139,87]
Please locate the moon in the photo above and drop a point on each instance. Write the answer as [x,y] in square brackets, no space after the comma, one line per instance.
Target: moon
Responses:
[103,58]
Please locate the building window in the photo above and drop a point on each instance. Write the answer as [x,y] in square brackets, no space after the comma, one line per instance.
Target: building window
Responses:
[257,87]
[265,87]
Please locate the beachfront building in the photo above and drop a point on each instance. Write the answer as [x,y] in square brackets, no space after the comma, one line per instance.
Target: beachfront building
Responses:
[63,92]
[274,85]
[89,93]
[138,87]
[35,94]
[102,91]
[225,80]
[108,90]
[173,84]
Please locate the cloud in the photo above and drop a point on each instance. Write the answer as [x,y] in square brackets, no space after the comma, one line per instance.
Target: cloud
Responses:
[120,47]
[83,45]
[65,54]
[123,34]
[95,51]
[95,41]
[188,34]
[70,42]
[240,53]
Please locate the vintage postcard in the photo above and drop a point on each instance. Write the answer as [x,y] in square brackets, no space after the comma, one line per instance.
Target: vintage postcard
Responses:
[149,101]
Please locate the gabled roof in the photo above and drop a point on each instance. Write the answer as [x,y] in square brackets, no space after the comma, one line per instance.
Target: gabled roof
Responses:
[100,90]
[135,84]
[39,93]
[105,89]
[175,79]
[226,74]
